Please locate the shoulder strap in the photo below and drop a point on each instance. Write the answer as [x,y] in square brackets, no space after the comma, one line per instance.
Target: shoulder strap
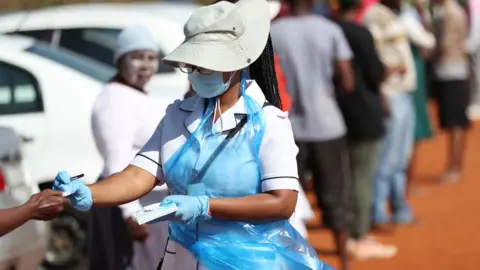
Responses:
[220,148]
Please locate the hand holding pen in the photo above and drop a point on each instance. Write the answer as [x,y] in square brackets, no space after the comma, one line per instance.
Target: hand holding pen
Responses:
[78,193]
[76,177]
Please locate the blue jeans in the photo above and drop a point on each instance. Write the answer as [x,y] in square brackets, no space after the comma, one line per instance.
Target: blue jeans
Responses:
[390,180]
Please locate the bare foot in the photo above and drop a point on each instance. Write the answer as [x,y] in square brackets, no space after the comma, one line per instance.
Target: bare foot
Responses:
[369,248]
[450,177]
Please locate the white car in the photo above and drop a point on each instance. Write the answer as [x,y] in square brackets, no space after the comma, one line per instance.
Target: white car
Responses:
[47,96]
[92,29]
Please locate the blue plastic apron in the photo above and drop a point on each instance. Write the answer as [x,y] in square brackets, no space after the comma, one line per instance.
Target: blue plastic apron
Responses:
[235,172]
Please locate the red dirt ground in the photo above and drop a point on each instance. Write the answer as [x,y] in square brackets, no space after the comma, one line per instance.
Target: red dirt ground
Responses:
[446,235]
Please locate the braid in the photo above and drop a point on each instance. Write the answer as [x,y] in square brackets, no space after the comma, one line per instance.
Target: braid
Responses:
[263,72]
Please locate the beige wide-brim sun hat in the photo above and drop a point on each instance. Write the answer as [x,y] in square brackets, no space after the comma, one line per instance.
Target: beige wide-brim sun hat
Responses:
[224,36]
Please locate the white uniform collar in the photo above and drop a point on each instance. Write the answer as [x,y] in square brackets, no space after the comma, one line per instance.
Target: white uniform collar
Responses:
[195,106]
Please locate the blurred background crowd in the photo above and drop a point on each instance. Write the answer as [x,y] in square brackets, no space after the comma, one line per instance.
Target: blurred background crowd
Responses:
[364,81]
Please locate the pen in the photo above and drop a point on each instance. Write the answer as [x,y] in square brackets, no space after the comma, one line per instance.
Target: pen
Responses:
[77,177]
[67,193]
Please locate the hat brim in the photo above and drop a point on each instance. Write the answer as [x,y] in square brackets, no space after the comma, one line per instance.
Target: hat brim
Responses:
[229,55]
[275,7]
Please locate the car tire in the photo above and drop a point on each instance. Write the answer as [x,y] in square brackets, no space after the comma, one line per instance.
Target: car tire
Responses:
[68,240]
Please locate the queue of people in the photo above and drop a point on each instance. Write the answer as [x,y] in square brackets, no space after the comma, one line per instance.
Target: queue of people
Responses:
[359,106]
[344,98]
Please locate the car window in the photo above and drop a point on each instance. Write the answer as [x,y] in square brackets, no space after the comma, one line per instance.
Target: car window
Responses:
[89,67]
[19,91]
[42,35]
[99,44]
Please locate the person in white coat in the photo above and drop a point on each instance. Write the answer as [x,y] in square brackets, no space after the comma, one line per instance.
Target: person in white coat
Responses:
[124,117]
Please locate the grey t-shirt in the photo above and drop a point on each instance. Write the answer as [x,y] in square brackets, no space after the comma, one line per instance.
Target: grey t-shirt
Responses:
[307,47]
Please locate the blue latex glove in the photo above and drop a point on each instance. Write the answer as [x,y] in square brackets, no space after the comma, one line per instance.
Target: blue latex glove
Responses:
[190,208]
[81,197]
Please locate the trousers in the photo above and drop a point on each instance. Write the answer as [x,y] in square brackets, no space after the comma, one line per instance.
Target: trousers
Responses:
[364,157]
[396,150]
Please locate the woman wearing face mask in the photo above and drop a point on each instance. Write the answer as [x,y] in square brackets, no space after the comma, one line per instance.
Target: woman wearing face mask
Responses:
[124,117]
[275,8]
[227,153]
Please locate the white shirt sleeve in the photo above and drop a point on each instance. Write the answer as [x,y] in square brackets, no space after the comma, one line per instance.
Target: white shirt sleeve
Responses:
[278,153]
[114,129]
[416,33]
[341,48]
[149,158]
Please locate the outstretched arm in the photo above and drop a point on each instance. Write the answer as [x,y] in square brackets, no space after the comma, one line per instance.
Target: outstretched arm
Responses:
[12,218]
[114,146]
[123,187]
[45,205]
[130,184]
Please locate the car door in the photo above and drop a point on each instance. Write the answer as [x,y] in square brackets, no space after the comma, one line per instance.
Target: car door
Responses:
[21,108]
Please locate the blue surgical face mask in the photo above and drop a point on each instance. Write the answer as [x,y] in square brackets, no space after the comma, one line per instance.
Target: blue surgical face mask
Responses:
[209,86]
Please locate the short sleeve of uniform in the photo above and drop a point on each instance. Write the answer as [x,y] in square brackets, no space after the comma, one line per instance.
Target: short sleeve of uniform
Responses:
[149,157]
[278,153]
[341,48]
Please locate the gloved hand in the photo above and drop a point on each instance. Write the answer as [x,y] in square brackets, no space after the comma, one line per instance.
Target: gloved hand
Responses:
[190,208]
[81,197]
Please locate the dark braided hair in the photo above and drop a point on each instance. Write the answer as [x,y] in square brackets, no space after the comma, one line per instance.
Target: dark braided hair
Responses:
[263,72]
